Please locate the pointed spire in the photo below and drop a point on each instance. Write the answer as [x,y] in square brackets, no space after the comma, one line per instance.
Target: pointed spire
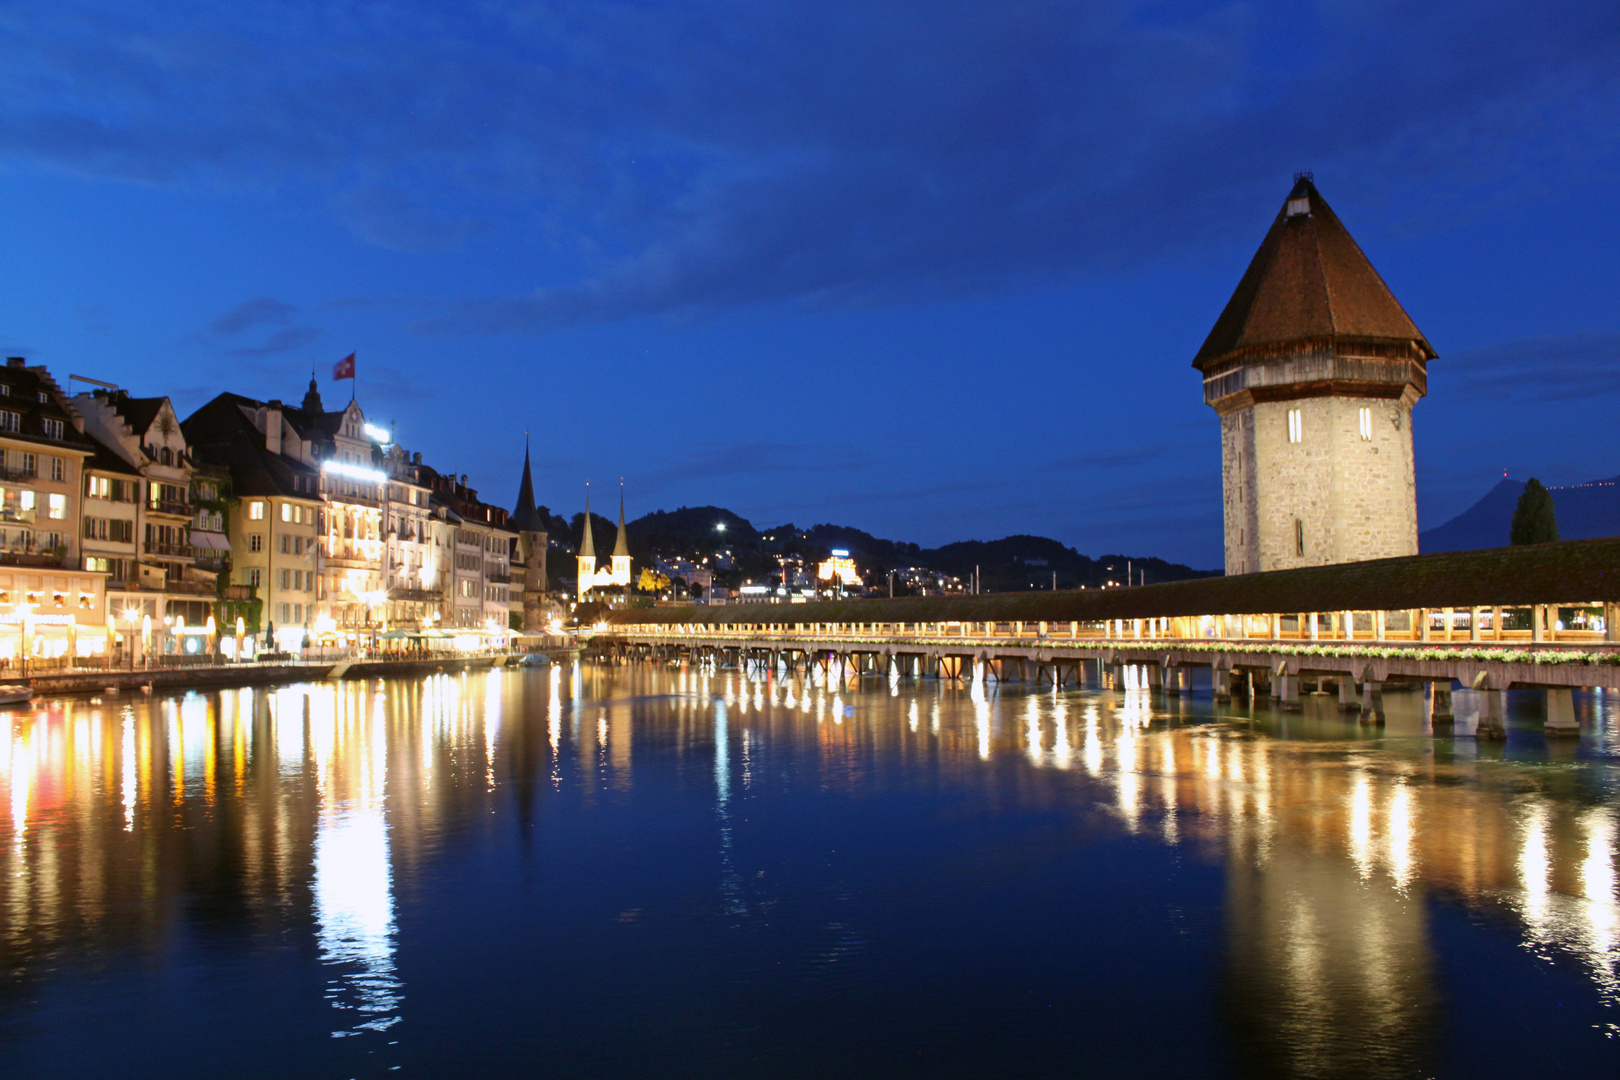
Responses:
[526,518]
[312,397]
[1310,283]
[622,547]
[587,548]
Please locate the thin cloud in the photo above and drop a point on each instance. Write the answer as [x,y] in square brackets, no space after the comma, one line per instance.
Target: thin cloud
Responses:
[690,158]
[1553,368]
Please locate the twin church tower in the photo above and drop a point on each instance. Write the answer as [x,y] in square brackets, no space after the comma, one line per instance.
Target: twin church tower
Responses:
[1313,368]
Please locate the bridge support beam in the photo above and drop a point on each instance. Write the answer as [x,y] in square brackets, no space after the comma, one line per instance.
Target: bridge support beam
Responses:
[1288,692]
[1372,702]
[1222,678]
[1348,701]
[1492,715]
[1561,713]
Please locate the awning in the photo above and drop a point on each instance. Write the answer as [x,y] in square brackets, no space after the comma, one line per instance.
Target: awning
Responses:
[210,541]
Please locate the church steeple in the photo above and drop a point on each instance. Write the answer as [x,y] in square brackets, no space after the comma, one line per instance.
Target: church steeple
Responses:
[621,549]
[312,397]
[622,546]
[526,518]
[587,549]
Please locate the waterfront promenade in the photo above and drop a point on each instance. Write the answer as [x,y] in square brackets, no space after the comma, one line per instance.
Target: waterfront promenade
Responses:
[264,673]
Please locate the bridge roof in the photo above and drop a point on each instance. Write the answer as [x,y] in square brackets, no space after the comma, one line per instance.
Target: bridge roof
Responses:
[1571,571]
[1309,282]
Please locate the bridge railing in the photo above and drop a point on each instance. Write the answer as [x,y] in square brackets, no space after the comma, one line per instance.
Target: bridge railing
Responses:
[1574,624]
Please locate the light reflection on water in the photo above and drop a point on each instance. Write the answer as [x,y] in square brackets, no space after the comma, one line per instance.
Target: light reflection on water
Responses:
[1332,839]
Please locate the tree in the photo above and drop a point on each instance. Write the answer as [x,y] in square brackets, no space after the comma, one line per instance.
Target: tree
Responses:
[1534,520]
[652,581]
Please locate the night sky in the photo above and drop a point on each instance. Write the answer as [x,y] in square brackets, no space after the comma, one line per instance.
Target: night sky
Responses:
[937,270]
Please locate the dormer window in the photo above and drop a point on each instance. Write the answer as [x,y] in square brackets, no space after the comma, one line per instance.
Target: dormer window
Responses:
[53,429]
[5,391]
[43,397]
[1296,207]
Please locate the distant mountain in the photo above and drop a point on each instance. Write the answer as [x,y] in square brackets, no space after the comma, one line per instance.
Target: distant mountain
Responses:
[1585,512]
[1012,563]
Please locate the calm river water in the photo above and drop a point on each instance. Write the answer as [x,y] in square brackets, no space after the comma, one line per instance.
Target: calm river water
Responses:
[650,872]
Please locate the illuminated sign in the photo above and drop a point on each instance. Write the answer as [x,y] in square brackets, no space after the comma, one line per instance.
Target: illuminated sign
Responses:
[39,620]
[353,472]
[841,567]
[378,434]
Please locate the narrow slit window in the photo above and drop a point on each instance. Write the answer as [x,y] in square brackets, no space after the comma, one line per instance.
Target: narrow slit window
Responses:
[1296,426]
[1365,420]
[1299,537]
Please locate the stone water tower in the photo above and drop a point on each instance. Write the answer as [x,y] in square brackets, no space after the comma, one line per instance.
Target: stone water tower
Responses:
[1314,368]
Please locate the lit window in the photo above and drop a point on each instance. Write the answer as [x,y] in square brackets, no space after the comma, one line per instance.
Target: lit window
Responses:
[256,511]
[1365,420]
[100,487]
[286,511]
[25,499]
[1296,426]
[56,507]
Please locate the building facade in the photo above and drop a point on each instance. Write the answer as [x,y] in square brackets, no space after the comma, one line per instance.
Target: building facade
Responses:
[52,605]
[1313,368]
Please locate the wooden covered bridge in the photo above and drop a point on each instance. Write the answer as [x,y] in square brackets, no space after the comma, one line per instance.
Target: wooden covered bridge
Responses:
[1545,617]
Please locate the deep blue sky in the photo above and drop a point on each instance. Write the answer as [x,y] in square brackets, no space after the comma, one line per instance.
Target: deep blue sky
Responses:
[934,269]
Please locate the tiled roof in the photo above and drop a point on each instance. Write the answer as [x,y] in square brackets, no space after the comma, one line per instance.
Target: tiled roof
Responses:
[1571,571]
[220,433]
[1309,282]
[20,390]
[107,460]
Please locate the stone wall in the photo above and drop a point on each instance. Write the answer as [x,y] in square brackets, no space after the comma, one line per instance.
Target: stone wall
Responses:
[1332,497]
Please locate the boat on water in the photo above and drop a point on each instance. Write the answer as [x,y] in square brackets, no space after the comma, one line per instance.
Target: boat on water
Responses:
[15,694]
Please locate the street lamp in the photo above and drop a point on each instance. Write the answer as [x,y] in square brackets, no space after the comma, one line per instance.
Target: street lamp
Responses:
[130,617]
[24,617]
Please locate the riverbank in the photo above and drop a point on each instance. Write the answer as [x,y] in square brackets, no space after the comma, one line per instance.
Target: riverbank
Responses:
[226,676]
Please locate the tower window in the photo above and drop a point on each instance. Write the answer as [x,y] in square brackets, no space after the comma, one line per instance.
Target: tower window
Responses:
[1296,426]
[1365,420]
[1299,537]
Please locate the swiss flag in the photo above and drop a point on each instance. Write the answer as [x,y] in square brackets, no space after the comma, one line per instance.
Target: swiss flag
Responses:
[344,368]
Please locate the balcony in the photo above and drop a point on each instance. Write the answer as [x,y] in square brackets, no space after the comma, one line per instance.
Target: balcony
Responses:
[172,507]
[16,557]
[498,577]
[18,476]
[171,551]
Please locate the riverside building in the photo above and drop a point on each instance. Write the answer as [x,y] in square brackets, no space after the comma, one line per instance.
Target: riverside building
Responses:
[144,524]
[51,604]
[1313,368]
[272,460]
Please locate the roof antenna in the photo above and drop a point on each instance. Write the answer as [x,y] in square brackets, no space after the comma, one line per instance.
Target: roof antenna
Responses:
[1308,177]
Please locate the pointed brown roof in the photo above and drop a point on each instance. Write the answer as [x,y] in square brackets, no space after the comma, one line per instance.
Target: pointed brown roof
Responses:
[1309,282]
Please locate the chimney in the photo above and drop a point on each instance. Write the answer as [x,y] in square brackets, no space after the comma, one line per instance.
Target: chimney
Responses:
[272,427]
[16,361]
[416,458]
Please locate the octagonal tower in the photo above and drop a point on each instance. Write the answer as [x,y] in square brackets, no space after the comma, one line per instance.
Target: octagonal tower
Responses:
[1313,368]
